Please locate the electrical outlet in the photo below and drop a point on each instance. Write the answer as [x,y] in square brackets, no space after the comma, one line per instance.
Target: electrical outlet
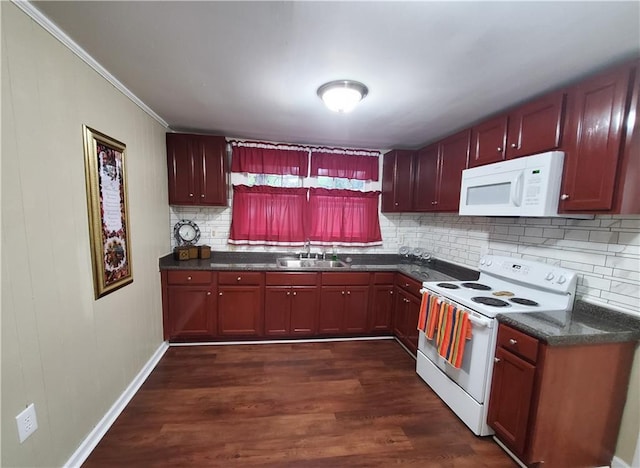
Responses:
[27,422]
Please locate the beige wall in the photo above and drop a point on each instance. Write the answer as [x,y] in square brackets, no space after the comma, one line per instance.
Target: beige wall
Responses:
[62,350]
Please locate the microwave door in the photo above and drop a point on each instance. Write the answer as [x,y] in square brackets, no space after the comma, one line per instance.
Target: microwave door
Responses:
[497,194]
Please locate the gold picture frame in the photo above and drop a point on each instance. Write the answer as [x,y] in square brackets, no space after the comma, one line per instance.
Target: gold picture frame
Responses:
[106,182]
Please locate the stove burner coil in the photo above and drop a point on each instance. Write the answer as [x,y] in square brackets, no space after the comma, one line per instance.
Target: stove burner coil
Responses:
[478,286]
[448,285]
[490,301]
[523,301]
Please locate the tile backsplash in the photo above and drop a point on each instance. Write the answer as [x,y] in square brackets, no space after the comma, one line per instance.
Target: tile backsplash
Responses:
[605,251]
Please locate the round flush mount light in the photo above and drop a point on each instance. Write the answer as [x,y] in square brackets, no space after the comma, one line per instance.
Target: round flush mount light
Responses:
[342,95]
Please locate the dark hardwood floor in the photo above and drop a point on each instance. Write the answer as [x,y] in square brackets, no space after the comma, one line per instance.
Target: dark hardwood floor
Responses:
[301,405]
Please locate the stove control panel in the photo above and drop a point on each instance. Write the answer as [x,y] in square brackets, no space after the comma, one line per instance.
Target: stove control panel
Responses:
[529,272]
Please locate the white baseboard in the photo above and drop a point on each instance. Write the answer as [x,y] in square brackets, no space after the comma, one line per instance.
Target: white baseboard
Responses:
[90,442]
[618,462]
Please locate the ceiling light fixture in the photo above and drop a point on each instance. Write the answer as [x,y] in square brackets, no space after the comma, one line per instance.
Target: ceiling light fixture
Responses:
[342,95]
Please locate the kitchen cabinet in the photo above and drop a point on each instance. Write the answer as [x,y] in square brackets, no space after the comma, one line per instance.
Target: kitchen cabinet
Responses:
[438,170]
[291,304]
[407,311]
[240,303]
[382,302]
[197,169]
[189,309]
[343,303]
[593,171]
[534,127]
[397,181]
[558,405]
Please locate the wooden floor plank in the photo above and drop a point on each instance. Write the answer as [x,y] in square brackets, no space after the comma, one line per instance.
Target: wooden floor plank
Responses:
[351,404]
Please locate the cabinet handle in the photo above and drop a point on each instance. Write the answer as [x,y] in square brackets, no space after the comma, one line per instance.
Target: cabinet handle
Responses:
[513,342]
[564,196]
[499,149]
[294,293]
[208,293]
[496,360]
[239,278]
[513,145]
[188,278]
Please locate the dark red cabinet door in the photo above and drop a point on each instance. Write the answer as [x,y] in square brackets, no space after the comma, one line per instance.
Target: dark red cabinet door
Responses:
[454,155]
[426,178]
[277,311]
[213,171]
[536,127]
[510,402]
[400,315]
[594,141]
[488,141]
[412,315]
[356,306]
[304,311]
[240,310]
[331,309]
[191,312]
[382,303]
[181,169]
[397,181]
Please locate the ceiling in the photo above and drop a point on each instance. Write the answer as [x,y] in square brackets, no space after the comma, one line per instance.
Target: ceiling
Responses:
[251,69]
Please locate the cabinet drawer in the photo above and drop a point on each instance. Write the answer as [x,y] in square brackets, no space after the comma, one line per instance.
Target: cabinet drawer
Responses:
[518,343]
[384,277]
[345,278]
[292,279]
[240,277]
[189,277]
[410,285]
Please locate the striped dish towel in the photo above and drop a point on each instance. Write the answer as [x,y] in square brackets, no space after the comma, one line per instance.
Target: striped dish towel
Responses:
[453,332]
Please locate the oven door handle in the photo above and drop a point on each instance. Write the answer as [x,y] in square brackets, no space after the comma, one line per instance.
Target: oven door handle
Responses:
[480,322]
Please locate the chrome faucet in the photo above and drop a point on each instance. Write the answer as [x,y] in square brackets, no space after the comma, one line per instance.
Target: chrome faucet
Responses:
[307,247]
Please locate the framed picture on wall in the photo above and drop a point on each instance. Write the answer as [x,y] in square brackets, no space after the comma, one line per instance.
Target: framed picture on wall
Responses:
[106,182]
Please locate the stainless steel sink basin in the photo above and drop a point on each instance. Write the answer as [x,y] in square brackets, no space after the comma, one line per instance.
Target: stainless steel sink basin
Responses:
[287,262]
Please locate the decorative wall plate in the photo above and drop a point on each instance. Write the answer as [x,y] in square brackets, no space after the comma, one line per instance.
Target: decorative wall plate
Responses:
[186,232]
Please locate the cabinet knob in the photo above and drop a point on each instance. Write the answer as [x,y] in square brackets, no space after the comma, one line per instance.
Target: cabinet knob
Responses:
[396,203]
[343,293]
[239,278]
[348,293]
[188,278]
[496,360]
[406,285]
[202,195]
[191,194]
[391,292]
[219,294]
[294,293]
[288,293]
[513,145]
[208,293]
[564,196]
[513,342]
[499,149]
[434,202]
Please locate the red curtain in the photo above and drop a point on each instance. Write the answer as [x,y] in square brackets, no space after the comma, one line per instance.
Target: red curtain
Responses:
[269,160]
[344,165]
[343,217]
[264,215]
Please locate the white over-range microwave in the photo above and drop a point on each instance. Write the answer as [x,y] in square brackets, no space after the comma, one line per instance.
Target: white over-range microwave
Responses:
[528,186]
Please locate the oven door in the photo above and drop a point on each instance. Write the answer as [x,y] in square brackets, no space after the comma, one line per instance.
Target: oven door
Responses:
[478,355]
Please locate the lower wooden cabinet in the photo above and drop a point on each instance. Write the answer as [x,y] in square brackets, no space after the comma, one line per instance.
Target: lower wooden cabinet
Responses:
[405,323]
[290,311]
[240,310]
[382,304]
[558,406]
[344,303]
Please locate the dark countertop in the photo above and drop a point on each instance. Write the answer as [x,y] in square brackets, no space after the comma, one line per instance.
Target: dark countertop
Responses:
[433,270]
[586,324]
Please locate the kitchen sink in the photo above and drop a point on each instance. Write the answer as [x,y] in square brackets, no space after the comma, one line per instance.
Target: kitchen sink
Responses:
[287,262]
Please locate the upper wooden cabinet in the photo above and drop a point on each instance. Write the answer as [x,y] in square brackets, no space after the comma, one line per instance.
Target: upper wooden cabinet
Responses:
[598,168]
[534,127]
[438,174]
[397,181]
[197,169]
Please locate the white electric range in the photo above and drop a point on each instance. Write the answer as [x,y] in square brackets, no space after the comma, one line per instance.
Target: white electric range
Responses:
[506,285]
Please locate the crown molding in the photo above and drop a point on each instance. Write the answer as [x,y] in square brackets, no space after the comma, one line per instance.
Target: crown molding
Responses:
[56,32]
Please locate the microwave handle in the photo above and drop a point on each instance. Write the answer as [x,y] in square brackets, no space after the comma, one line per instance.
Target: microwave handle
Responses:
[516,190]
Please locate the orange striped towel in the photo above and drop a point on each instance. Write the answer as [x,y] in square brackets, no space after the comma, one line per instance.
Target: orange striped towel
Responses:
[433,312]
[422,318]
[454,332]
